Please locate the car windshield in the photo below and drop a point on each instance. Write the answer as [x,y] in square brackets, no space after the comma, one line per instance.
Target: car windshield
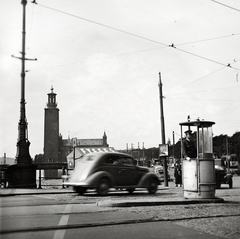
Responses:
[88,158]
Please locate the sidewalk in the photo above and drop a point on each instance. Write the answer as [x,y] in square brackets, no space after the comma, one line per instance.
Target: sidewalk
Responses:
[4,192]
[165,196]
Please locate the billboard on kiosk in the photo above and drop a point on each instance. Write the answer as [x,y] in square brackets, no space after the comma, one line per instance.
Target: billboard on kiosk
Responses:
[163,150]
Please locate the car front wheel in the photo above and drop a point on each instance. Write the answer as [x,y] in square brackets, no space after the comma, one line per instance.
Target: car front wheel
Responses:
[103,187]
[153,185]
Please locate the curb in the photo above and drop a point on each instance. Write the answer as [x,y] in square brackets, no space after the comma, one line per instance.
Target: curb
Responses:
[176,201]
[19,193]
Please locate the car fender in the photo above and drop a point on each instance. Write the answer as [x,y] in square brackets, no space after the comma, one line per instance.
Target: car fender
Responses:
[144,182]
[93,179]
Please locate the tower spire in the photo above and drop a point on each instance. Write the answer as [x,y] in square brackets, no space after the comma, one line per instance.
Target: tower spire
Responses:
[52,99]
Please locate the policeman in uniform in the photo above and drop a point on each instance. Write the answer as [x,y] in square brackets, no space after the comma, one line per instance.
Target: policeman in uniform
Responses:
[189,148]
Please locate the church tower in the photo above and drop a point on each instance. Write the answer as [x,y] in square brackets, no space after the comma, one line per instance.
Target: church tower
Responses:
[105,144]
[51,130]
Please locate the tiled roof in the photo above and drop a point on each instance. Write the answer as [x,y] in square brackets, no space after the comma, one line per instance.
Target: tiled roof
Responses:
[79,152]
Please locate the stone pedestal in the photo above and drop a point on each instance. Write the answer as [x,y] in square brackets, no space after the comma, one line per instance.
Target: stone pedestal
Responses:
[21,176]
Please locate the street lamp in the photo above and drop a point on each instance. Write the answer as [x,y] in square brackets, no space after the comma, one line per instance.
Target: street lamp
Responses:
[23,173]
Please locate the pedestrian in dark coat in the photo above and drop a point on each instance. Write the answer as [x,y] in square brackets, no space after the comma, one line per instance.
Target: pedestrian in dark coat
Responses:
[178,175]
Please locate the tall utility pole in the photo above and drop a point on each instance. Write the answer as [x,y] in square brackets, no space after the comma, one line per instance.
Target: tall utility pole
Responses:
[227,156]
[143,151]
[173,146]
[162,130]
[23,174]
[138,154]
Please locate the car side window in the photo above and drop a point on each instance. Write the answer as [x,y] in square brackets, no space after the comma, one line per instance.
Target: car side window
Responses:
[117,161]
[127,161]
[109,160]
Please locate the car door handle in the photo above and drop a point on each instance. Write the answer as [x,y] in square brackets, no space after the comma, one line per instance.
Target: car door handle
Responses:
[121,170]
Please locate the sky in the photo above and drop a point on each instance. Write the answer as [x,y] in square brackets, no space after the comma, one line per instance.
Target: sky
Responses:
[103,59]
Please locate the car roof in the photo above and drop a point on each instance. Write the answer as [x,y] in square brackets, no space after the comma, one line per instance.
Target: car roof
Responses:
[99,157]
[109,153]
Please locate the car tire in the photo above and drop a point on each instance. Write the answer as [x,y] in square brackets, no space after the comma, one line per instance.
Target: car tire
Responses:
[130,190]
[153,185]
[230,184]
[103,187]
[80,190]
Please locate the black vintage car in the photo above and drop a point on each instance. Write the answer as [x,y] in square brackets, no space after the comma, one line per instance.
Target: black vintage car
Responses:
[102,171]
[223,177]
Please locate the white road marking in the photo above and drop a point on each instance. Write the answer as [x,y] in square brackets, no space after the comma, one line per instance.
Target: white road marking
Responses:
[59,234]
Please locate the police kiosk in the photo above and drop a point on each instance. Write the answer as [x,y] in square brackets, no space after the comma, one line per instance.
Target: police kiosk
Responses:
[198,173]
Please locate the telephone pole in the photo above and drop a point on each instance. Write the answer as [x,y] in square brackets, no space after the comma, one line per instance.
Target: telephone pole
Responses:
[173,145]
[162,130]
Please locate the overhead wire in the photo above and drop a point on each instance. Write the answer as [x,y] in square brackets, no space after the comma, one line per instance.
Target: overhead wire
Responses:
[157,42]
[182,86]
[146,50]
[138,36]
[225,5]
[194,92]
[209,39]
[53,66]
[204,99]
[103,25]
[181,44]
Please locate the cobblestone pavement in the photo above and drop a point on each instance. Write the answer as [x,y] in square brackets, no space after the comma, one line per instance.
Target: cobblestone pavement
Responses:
[217,219]
[220,219]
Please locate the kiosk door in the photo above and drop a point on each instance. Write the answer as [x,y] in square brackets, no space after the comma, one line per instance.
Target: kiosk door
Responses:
[190,175]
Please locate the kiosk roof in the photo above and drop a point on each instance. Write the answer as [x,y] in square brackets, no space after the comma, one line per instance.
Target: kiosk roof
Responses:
[198,123]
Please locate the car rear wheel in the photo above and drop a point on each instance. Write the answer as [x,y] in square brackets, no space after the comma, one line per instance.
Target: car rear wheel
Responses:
[103,187]
[153,185]
[80,190]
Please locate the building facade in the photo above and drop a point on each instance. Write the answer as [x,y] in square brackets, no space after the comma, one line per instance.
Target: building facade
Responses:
[69,144]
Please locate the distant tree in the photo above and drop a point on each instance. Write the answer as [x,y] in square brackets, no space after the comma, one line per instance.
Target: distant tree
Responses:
[38,159]
[235,143]
[222,145]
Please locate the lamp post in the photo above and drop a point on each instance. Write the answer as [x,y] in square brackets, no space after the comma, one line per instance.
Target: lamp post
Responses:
[23,156]
[23,173]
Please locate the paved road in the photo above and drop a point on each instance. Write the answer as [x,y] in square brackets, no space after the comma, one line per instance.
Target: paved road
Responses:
[71,216]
